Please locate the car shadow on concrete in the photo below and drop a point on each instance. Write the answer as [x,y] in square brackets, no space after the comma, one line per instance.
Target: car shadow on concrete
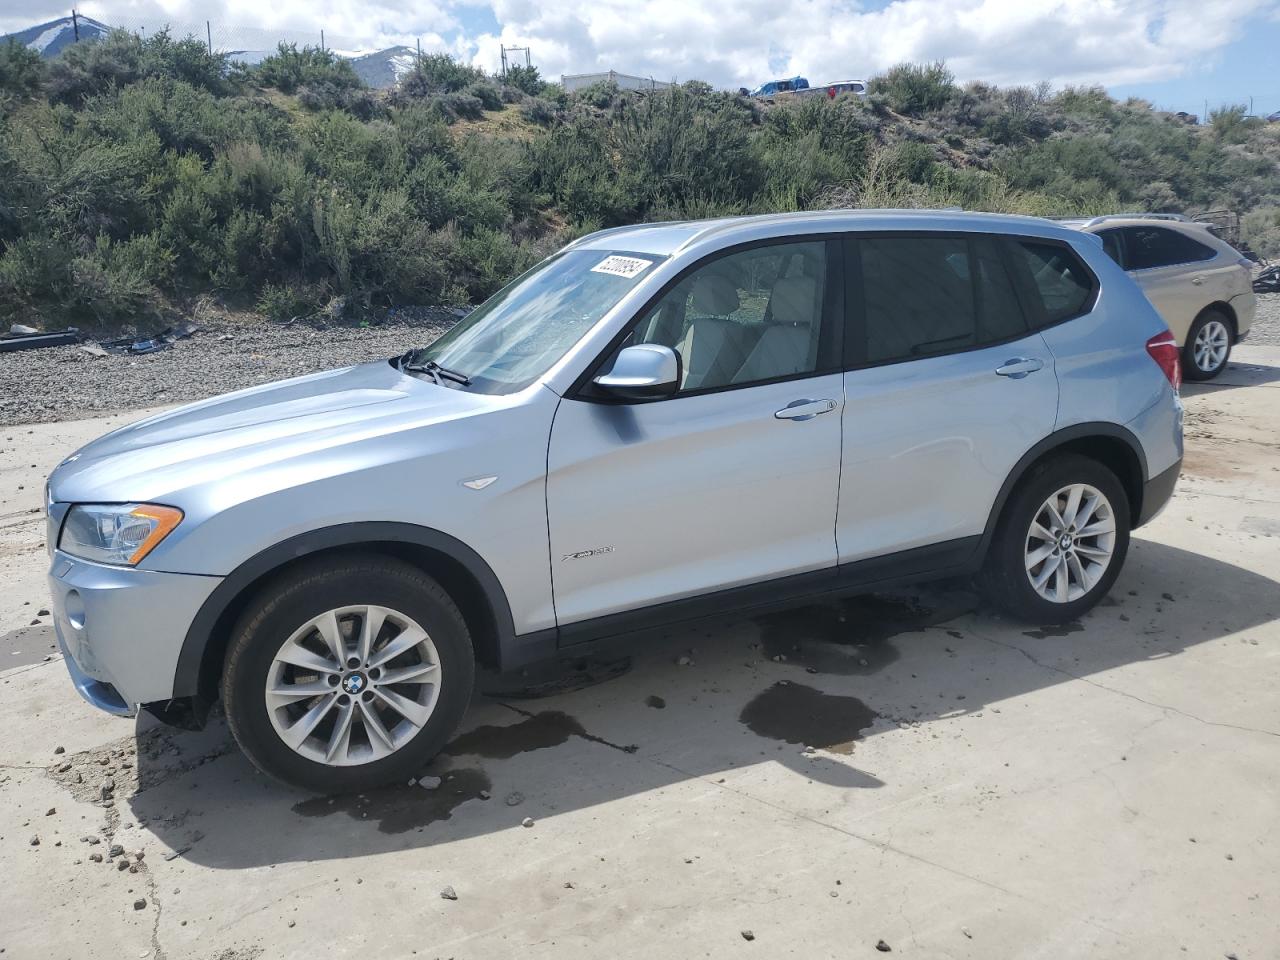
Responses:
[703,701]
[1238,374]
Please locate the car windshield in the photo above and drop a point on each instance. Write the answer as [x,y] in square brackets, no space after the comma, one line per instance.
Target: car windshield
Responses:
[521,331]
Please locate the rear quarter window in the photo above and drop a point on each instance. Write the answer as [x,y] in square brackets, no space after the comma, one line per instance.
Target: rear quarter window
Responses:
[1058,283]
[1149,247]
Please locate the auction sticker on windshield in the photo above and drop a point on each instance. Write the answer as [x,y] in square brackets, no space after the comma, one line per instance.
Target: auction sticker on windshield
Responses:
[626,267]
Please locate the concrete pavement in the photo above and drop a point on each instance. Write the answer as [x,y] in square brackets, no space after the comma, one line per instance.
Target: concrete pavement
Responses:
[978,788]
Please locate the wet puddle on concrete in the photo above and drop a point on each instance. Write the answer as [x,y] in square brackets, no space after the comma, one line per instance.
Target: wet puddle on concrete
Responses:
[853,636]
[1054,630]
[401,809]
[795,713]
[557,677]
[538,731]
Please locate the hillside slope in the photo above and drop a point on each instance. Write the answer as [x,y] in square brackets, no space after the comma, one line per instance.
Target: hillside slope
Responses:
[138,175]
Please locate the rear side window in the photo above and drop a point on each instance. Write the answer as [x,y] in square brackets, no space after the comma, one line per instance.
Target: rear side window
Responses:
[1056,279]
[1148,247]
[923,296]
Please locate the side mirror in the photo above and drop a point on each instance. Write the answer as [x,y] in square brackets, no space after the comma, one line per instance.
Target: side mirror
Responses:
[647,371]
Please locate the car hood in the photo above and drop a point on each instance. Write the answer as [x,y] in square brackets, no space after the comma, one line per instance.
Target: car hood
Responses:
[302,418]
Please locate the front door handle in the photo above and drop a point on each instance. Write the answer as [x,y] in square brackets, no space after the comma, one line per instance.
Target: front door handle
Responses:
[805,409]
[1019,367]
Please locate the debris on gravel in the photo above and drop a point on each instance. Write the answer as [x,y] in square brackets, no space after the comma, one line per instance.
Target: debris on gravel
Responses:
[64,383]
[515,798]
[448,893]
[430,783]
[140,904]
[883,947]
[748,935]
[527,822]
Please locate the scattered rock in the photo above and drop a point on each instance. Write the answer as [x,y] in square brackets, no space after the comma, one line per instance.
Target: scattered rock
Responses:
[568,884]
[748,936]
[140,904]
[430,783]
[116,850]
[21,329]
[122,865]
[515,798]
[965,931]
[1169,597]
[684,661]
[59,749]
[42,612]
[527,822]
[485,795]
[35,841]
[448,893]
[51,811]
[883,947]
[95,857]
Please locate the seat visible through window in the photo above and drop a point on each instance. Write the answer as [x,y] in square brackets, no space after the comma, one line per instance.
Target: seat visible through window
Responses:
[745,317]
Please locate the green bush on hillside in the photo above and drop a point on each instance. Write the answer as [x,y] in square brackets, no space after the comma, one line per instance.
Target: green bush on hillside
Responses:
[135,174]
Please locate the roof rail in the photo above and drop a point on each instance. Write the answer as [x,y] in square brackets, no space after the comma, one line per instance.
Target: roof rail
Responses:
[1092,221]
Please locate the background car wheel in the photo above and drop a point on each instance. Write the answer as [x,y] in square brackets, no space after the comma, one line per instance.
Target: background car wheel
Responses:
[348,673]
[1060,543]
[1208,346]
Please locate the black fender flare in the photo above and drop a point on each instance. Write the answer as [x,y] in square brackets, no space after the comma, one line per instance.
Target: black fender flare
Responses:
[213,612]
[1059,438]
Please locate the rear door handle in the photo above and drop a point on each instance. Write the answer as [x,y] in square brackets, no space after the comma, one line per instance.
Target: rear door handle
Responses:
[805,409]
[1019,367]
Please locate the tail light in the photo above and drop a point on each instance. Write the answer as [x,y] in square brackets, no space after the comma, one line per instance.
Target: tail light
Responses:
[1164,351]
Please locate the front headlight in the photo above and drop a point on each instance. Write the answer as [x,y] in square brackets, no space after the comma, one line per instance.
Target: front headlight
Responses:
[117,533]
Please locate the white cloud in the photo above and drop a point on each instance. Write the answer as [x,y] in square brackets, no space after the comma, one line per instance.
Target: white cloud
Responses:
[733,42]
[742,42]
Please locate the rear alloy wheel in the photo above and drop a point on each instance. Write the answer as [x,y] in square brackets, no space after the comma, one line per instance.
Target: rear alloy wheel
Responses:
[1208,347]
[1060,542]
[347,673]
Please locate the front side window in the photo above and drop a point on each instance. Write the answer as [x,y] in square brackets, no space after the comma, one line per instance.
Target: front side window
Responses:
[522,330]
[923,296]
[1150,247]
[745,317]
[1059,281]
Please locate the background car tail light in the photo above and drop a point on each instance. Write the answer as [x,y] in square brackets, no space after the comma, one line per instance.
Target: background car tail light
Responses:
[1164,351]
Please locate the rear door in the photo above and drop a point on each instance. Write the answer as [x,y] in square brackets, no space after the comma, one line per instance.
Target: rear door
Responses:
[948,386]
[733,480]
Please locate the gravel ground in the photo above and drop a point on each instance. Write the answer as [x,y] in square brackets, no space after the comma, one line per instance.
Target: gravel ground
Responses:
[1266,325]
[68,383]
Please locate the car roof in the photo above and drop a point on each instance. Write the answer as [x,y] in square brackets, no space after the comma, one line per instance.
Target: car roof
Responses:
[671,237]
[1133,220]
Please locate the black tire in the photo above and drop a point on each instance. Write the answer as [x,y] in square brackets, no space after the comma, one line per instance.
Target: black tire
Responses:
[1190,370]
[310,590]
[1004,577]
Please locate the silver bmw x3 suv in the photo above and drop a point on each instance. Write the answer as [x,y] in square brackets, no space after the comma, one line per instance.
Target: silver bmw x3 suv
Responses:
[656,423]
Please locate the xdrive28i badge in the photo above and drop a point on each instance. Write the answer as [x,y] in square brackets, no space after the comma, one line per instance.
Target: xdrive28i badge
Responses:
[585,554]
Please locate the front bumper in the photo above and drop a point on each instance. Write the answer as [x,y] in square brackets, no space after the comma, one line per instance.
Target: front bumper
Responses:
[121,629]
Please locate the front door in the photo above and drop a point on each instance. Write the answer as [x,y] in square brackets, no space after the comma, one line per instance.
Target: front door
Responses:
[731,481]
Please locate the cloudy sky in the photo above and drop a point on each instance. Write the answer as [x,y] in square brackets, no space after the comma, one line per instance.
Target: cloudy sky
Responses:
[1178,53]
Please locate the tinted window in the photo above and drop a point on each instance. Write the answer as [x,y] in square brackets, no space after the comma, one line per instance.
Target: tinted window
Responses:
[928,295]
[1148,247]
[746,317]
[1111,244]
[1061,282]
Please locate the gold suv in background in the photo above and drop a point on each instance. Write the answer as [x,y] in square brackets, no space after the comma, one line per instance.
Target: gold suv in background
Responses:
[1201,285]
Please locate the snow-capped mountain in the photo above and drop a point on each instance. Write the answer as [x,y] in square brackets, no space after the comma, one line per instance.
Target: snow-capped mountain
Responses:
[48,39]
[383,68]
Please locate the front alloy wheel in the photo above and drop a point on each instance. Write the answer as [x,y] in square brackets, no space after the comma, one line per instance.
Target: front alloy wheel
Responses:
[347,672]
[353,685]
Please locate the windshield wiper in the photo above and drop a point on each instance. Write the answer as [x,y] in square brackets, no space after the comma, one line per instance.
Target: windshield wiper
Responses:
[436,372]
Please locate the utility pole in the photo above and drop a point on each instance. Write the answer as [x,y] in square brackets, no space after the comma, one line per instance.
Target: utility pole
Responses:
[322,41]
[208,35]
[418,41]
[75,23]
